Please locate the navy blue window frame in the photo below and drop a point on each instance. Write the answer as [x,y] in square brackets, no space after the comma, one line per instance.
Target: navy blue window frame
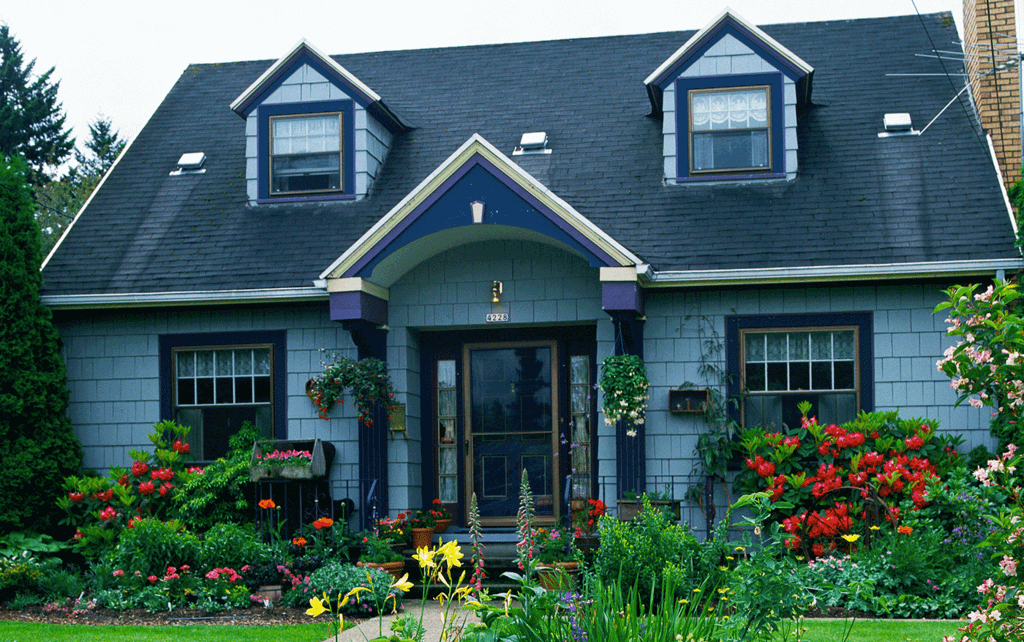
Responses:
[276,338]
[863,321]
[778,123]
[263,115]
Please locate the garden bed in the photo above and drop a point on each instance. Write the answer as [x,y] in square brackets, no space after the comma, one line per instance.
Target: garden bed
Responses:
[178,617]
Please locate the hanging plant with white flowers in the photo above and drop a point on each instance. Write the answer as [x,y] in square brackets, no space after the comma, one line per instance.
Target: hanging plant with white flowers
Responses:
[624,383]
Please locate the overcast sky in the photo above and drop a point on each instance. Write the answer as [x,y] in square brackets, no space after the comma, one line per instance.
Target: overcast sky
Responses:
[120,58]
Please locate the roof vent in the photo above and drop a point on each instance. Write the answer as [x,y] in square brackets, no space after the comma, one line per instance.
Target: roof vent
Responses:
[897,125]
[532,143]
[191,163]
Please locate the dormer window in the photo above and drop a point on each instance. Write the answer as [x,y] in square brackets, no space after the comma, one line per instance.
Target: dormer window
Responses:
[307,154]
[730,130]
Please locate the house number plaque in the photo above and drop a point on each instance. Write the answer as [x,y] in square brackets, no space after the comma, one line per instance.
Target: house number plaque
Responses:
[497,317]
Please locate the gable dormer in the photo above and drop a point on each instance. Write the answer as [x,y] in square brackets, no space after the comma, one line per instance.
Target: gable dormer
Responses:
[728,100]
[314,131]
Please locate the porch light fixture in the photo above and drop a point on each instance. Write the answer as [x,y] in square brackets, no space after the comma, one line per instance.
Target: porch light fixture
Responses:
[495,291]
[478,211]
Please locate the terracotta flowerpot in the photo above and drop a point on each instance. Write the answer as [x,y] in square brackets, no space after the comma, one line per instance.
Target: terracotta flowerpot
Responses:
[557,575]
[422,537]
[395,568]
[442,525]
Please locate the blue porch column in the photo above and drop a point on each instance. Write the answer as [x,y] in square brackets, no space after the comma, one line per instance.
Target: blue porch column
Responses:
[624,303]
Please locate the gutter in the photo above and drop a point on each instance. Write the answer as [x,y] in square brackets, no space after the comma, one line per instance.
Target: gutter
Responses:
[169,299]
[813,274]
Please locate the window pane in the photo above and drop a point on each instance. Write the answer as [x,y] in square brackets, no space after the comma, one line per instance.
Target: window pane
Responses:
[580,369]
[580,399]
[449,492]
[261,361]
[777,379]
[225,368]
[225,390]
[305,134]
[186,364]
[204,364]
[843,344]
[204,390]
[446,403]
[446,374]
[821,346]
[799,375]
[243,362]
[844,375]
[821,375]
[261,389]
[798,347]
[776,346]
[447,430]
[243,390]
[754,347]
[755,377]
[186,392]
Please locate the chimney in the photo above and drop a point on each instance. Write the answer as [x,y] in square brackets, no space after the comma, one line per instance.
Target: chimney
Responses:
[990,42]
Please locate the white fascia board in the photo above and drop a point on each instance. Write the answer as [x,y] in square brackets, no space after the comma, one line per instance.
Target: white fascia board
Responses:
[166,299]
[95,191]
[1002,185]
[834,273]
[772,43]
[476,144]
[327,60]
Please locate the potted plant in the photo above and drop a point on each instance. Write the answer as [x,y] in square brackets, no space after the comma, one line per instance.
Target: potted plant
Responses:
[290,459]
[624,383]
[585,519]
[368,381]
[393,531]
[630,505]
[442,518]
[378,554]
[557,555]
[421,527]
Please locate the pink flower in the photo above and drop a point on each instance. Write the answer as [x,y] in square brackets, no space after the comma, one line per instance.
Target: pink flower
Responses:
[1009,566]
[153,578]
[213,575]
[118,573]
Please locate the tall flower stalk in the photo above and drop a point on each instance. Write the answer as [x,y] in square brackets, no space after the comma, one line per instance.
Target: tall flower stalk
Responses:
[524,528]
[475,534]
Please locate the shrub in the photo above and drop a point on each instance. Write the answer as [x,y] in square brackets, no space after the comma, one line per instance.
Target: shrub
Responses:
[841,480]
[233,546]
[20,574]
[636,553]
[100,508]
[150,546]
[337,579]
[37,444]
[220,492]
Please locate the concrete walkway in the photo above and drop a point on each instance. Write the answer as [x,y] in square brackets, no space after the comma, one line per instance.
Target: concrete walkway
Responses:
[369,629]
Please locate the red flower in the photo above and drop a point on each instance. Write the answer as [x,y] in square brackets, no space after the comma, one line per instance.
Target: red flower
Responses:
[139,468]
[108,513]
[147,488]
[124,480]
[914,443]
[104,496]
[299,541]
[267,504]
[165,488]
[180,447]
[766,469]
[323,522]
[76,497]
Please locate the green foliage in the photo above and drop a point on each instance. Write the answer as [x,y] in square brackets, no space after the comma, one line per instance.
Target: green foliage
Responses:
[638,552]
[221,493]
[987,363]
[377,550]
[233,546]
[18,541]
[624,384]
[37,444]
[336,579]
[150,546]
[62,583]
[20,574]
[31,122]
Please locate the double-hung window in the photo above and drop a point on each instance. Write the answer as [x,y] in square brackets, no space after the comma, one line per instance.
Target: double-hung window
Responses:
[306,154]
[777,362]
[730,129]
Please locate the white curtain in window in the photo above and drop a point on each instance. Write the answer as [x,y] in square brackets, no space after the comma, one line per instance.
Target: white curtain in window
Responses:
[306,135]
[730,109]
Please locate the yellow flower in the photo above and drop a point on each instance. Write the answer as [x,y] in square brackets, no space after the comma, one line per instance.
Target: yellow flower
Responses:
[739,549]
[316,606]
[729,557]
[402,584]
[425,557]
[851,538]
[356,591]
[684,601]
[723,568]
[452,553]
[875,528]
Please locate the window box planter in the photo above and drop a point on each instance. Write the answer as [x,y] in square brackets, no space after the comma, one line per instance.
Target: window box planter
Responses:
[688,401]
[322,452]
[629,509]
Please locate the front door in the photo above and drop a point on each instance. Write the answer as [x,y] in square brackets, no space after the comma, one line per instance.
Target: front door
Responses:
[511,416]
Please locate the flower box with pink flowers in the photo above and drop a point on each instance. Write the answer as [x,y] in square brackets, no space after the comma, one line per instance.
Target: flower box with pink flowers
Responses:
[290,459]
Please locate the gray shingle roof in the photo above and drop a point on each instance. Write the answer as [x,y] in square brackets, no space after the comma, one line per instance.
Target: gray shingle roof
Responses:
[858,199]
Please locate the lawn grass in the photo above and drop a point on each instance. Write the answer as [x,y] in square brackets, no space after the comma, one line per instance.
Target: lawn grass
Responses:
[46,632]
[880,630]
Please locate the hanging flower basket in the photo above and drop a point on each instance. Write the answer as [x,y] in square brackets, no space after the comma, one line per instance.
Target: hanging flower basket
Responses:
[367,380]
[624,383]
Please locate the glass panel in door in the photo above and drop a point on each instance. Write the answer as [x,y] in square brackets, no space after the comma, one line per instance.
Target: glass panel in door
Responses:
[511,418]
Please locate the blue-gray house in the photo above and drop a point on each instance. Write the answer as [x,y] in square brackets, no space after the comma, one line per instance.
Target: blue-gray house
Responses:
[495,220]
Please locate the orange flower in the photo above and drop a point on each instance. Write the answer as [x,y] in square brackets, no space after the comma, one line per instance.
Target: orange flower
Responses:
[905,530]
[267,503]
[299,541]
[323,522]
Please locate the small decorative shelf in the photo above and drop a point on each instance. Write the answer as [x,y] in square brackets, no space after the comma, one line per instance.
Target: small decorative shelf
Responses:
[322,451]
[688,401]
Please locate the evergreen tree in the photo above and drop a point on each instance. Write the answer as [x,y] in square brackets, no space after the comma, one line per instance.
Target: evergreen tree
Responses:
[105,145]
[37,445]
[31,121]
